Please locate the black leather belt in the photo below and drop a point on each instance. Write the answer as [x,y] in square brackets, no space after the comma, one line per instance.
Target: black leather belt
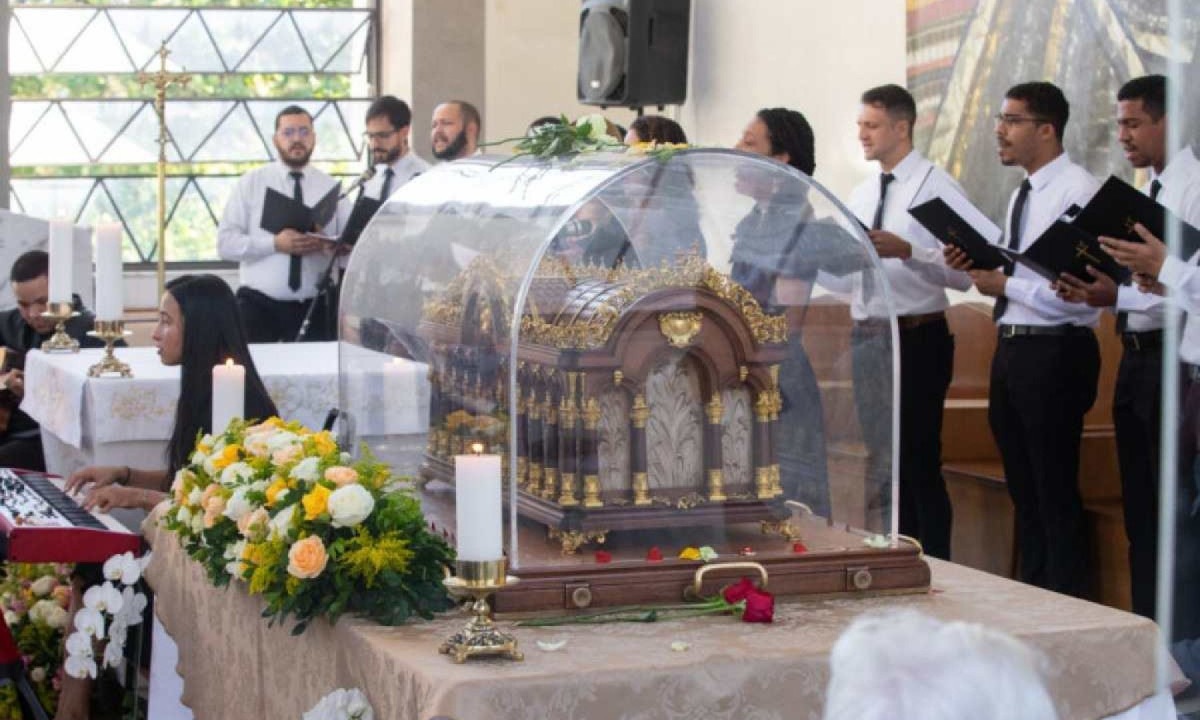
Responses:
[1141,341]
[1012,331]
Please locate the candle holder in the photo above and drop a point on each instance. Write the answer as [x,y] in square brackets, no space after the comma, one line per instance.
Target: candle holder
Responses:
[109,331]
[478,579]
[60,341]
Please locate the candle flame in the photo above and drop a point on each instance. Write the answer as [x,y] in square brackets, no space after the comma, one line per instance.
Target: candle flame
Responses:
[229,362]
[477,448]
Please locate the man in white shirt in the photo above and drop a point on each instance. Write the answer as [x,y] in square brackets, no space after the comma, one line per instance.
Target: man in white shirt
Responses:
[278,273]
[1137,398]
[456,129]
[1044,372]
[388,124]
[918,277]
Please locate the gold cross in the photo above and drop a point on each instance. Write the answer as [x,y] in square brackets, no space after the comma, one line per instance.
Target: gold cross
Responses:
[1082,251]
[161,81]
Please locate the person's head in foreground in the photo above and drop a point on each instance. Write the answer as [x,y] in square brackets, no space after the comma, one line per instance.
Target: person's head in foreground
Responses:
[903,665]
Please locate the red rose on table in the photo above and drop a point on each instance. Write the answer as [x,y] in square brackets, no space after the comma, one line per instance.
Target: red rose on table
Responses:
[654,554]
[760,607]
[738,591]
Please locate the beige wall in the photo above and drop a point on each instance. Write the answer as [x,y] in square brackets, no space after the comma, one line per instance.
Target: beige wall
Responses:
[811,55]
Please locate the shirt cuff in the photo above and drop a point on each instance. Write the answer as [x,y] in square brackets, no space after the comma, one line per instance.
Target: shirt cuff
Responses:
[925,255]
[1174,272]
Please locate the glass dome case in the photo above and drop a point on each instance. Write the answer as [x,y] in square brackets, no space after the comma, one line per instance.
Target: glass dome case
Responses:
[670,352]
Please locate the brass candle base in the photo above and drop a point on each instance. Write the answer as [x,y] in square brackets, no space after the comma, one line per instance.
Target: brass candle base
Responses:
[60,341]
[481,637]
[109,331]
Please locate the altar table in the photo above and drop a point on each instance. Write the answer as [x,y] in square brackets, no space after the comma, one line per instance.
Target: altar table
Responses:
[1100,661]
[127,421]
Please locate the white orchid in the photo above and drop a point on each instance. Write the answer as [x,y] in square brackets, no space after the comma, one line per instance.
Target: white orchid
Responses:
[90,622]
[80,662]
[133,604]
[103,598]
[124,568]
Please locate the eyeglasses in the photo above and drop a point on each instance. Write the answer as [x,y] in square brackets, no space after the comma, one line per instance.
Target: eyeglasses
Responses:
[296,132]
[1011,120]
[381,135]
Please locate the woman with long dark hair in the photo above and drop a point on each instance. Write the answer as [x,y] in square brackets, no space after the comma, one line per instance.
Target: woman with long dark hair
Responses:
[198,327]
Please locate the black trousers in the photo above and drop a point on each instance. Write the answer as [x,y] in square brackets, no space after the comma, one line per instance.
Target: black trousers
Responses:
[1137,417]
[1186,579]
[926,368]
[1041,386]
[269,320]
[23,453]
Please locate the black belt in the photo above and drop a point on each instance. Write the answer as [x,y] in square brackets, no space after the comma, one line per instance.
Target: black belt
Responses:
[1012,331]
[903,322]
[1142,341]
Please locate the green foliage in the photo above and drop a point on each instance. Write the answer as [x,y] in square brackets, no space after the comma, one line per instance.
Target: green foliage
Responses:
[250,86]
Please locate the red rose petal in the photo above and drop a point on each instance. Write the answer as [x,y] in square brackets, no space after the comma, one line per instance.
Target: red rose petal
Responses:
[798,547]
[737,591]
[654,554]
[747,552]
[603,556]
[760,607]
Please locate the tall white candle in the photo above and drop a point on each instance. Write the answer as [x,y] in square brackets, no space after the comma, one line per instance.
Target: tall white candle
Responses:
[228,394]
[110,304]
[61,251]
[477,508]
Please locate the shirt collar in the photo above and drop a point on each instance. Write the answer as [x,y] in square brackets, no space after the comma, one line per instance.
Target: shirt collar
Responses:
[908,167]
[287,170]
[1184,167]
[1046,174]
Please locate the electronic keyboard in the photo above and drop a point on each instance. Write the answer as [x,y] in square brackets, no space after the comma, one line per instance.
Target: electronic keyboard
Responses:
[41,523]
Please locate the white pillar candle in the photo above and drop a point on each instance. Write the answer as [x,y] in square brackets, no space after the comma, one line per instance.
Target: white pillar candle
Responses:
[228,394]
[399,393]
[477,507]
[61,251]
[110,304]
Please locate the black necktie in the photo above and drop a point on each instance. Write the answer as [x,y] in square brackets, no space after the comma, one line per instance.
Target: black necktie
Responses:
[387,184]
[1014,241]
[868,284]
[295,262]
[1123,316]
[884,180]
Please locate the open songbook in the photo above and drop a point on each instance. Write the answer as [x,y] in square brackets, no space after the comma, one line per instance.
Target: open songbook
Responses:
[1117,206]
[281,212]
[364,209]
[953,220]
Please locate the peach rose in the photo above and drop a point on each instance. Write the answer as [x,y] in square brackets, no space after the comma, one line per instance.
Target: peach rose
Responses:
[341,475]
[287,454]
[307,558]
[252,522]
[213,508]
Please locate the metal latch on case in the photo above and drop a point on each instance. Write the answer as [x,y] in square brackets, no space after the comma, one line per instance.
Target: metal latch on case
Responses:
[578,595]
[859,578]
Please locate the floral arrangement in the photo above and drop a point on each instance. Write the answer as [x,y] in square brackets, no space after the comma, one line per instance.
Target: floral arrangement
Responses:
[589,133]
[34,599]
[744,599]
[342,704]
[107,614]
[284,510]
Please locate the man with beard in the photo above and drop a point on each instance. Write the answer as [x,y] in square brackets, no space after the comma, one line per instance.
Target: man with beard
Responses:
[455,132]
[1047,361]
[388,121]
[278,273]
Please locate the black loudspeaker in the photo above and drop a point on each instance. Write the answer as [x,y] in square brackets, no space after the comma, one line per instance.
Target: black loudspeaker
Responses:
[633,53]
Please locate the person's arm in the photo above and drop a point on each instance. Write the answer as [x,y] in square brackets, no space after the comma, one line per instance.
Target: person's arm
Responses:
[103,476]
[236,239]
[111,497]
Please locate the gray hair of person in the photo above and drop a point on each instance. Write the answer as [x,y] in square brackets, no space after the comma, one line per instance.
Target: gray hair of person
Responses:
[903,665]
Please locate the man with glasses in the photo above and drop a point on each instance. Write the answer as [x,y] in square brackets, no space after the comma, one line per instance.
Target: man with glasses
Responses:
[278,273]
[388,124]
[1044,372]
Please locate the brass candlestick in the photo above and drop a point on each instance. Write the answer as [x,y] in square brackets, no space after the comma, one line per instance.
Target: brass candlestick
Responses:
[109,331]
[478,579]
[60,341]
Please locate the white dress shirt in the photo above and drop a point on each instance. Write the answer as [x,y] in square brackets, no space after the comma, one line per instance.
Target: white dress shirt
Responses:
[918,284]
[406,167]
[1181,195]
[1053,189]
[241,238]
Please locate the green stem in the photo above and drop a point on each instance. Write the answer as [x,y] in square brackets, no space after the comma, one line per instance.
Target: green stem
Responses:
[635,613]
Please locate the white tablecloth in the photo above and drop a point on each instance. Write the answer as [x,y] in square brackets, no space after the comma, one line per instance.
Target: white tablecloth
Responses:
[128,421]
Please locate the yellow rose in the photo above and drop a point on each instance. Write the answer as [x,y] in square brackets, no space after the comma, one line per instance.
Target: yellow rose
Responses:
[323,442]
[274,422]
[341,475]
[307,558]
[273,490]
[227,457]
[315,502]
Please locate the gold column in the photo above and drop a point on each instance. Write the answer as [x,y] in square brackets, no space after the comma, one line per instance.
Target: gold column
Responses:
[568,418]
[533,417]
[716,484]
[776,406]
[591,454]
[639,415]
[763,485]
[550,430]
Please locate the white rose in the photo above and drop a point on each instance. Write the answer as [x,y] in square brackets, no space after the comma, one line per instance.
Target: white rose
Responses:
[281,523]
[198,523]
[349,505]
[307,469]
[208,440]
[209,466]
[238,472]
[195,497]
[233,553]
[38,674]
[238,506]
[56,617]
[198,458]
[218,445]
[184,516]
[11,618]
[281,439]
[43,585]
[41,610]
[257,445]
